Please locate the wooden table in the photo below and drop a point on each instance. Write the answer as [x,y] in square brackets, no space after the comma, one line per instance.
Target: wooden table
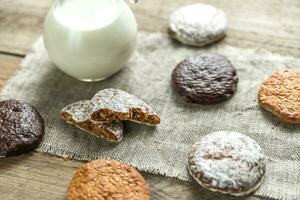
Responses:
[270,24]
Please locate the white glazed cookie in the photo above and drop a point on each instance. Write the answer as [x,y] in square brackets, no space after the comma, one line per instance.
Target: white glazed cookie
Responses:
[227,162]
[78,114]
[197,24]
[114,104]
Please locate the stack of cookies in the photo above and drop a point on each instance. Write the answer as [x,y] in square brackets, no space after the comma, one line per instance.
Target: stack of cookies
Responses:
[102,116]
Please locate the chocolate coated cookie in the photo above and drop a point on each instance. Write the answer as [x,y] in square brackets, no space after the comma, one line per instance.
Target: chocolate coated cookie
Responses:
[21,129]
[205,79]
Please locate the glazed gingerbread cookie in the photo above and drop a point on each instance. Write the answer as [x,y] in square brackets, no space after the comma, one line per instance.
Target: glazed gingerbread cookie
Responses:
[114,104]
[22,127]
[78,114]
[197,24]
[107,179]
[205,79]
[227,162]
[280,94]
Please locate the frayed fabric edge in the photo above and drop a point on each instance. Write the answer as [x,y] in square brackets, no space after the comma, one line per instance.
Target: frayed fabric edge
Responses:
[67,154]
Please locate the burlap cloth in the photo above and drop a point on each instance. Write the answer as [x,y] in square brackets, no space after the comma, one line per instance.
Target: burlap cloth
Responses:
[163,149]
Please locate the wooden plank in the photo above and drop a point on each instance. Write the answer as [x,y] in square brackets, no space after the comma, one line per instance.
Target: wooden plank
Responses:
[40,176]
[270,24]
[8,65]
[258,23]
[21,23]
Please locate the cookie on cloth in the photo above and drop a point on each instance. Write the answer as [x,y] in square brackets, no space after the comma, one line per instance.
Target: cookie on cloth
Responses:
[280,94]
[197,24]
[107,179]
[78,115]
[114,104]
[22,127]
[227,162]
[205,78]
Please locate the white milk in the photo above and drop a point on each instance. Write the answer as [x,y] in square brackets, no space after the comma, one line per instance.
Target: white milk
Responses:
[90,39]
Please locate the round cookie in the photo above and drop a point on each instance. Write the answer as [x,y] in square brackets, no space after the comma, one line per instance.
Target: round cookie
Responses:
[227,162]
[280,94]
[205,79]
[22,127]
[197,24]
[107,179]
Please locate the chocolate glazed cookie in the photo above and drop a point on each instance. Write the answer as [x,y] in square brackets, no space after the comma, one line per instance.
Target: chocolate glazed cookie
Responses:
[205,79]
[21,129]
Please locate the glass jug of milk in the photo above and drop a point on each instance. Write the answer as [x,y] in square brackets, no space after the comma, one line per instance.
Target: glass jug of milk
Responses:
[90,39]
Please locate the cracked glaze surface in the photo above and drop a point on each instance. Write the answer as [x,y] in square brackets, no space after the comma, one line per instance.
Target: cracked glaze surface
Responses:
[205,78]
[108,179]
[114,104]
[197,24]
[21,127]
[280,94]
[78,114]
[78,110]
[227,162]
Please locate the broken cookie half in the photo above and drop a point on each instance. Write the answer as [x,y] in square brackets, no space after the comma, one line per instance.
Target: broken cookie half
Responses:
[78,115]
[114,104]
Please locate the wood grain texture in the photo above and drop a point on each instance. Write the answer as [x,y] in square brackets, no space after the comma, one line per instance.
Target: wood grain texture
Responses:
[8,65]
[40,176]
[21,23]
[270,24]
